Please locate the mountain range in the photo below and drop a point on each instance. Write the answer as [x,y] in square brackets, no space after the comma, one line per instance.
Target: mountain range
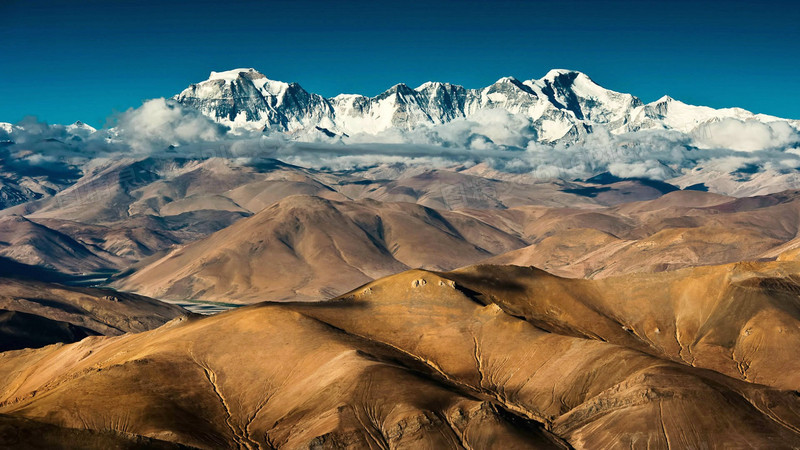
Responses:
[562,126]
[534,264]
[562,106]
[481,357]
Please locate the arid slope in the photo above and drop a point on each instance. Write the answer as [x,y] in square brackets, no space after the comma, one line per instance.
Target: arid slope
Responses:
[679,229]
[484,357]
[36,313]
[307,247]
[310,248]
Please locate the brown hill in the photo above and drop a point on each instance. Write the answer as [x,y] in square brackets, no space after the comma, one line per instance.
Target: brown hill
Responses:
[679,229]
[741,319]
[332,246]
[22,330]
[34,313]
[485,357]
[120,189]
[588,252]
[311,248]
[122,212]
[137,238]
[31,243]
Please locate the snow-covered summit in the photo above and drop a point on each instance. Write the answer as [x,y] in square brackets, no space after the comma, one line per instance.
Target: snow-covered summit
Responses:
[80,127]
[230,75]
[562,105]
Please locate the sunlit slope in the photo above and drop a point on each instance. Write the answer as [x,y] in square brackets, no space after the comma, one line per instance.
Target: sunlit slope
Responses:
[478,358]
[310,248]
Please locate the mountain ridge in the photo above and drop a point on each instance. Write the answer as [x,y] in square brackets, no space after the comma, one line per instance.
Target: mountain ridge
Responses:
[562,105]
[482,357]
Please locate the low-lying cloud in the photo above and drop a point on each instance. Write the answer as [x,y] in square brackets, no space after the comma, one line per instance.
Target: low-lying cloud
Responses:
[161,122]
[503,141]
[745,136]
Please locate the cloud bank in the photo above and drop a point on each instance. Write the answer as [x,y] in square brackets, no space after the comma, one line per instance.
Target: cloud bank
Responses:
[161,122]
[503,141]
[746,136]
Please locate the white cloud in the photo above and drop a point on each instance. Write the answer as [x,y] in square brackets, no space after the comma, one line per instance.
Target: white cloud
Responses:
[729,164]
[503,141]
[486,129]
[745,136]
[160,122]
[650,169]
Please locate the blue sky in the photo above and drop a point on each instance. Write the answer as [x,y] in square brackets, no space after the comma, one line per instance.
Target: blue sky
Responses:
[82,60]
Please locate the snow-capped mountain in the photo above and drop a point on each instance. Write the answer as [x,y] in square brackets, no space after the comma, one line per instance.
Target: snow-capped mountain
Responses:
[561,106]
[80,129]
[5,131]
[75,131]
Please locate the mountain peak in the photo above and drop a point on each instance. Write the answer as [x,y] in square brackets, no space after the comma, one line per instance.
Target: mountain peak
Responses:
[555,73]
[557,105]
[80,127]
[431,85]
[230,75]
[507,80]
[399,88]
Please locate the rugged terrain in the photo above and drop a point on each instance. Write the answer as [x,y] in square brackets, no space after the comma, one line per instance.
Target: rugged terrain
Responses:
[531,264]
[307,248]
[487,356]
[563,105]
[37,308]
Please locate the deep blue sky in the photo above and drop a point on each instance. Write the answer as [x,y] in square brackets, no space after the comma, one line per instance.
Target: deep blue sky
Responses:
[82,60]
